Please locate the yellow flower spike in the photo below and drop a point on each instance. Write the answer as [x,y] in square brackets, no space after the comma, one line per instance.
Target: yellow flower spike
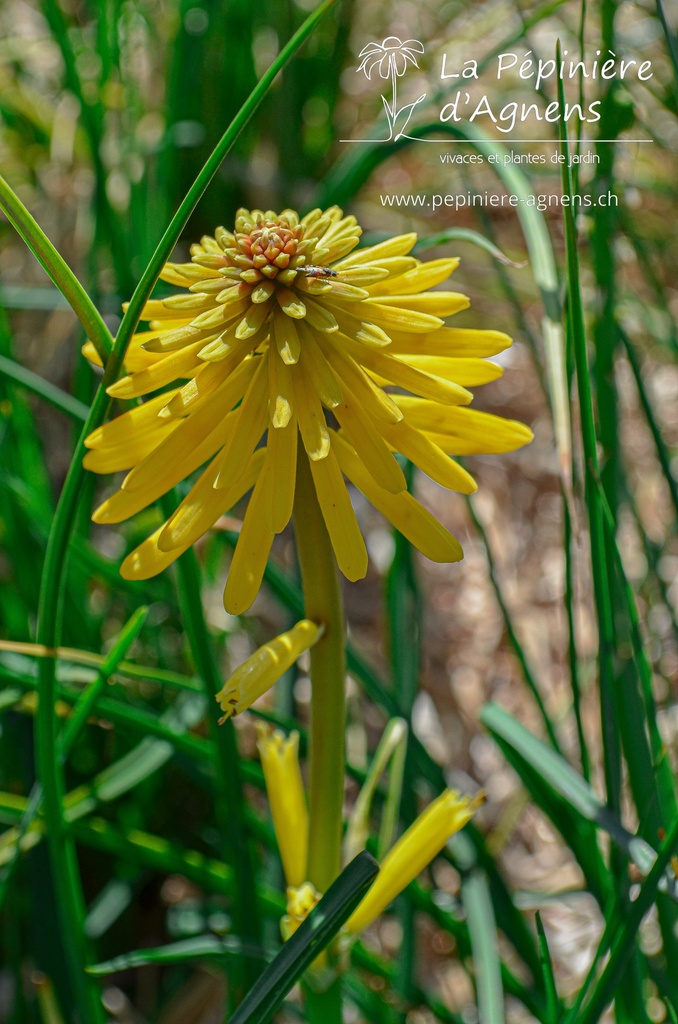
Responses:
[413,852]
[287,800]
[263,668]
[300,902]
[279,322]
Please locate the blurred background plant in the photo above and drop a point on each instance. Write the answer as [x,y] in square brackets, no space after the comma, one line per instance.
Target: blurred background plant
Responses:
[107,113]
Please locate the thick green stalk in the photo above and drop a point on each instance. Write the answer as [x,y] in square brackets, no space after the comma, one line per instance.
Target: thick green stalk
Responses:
[323,604]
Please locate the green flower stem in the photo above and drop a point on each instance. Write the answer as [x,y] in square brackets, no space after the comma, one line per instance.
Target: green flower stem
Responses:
[323,603]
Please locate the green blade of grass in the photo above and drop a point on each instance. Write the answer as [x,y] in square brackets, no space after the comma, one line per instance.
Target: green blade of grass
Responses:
[83,708]
[313,935]
[528,675]
[604,614]
[466,235]
[564,780]
[663,454]
[57,398]
[482,927]
[621,941]
[57,269]
[552,1001]
[200,947]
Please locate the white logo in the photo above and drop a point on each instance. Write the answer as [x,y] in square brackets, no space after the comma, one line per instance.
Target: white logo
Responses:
[391,58]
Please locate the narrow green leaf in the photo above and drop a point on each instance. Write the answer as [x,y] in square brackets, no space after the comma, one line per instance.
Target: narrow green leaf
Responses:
[552,1002]
[565,781]
[56,267]
[482,928]
[200,947]
[393,741]
[314,934]
[57,398]
[623,939]
[466,235]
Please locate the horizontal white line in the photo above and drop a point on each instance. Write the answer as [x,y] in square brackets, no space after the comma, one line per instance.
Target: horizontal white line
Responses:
[505,142]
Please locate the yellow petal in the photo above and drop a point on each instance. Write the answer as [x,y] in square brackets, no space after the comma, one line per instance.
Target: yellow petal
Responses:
[254,318]
[286,339]
[400,245]
[402,510]
[165,371]
[370,446]
[203,505]
[290,303]
[451,341]
[225,382]
[355,381]
[436,304]
[281,465]
[319,316]
[159,343]
[193,442]
[397,372]
[341,247]
[251,423]
[147,560]
[91,354]
[417,447]
[342,526]
[464,431]
[400,319]
[111,458]
[281,391]
[183,274]
[322,380]
[125,428]
[155,309]
[468,372]
[311,419]
[426,275]
[364,275]
[360,330]
[251,552]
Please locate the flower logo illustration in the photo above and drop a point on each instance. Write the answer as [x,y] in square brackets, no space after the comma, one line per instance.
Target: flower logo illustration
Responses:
[391,58]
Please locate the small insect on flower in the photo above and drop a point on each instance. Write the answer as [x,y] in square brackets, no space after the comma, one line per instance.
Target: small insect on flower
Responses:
[311,271]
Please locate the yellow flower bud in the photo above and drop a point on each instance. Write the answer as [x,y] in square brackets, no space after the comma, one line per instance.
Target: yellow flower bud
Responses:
[258,674]
[287,799]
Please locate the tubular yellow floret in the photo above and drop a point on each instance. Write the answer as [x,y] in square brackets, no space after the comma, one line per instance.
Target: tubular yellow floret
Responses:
[287,799]
[413,852]
[263,668]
